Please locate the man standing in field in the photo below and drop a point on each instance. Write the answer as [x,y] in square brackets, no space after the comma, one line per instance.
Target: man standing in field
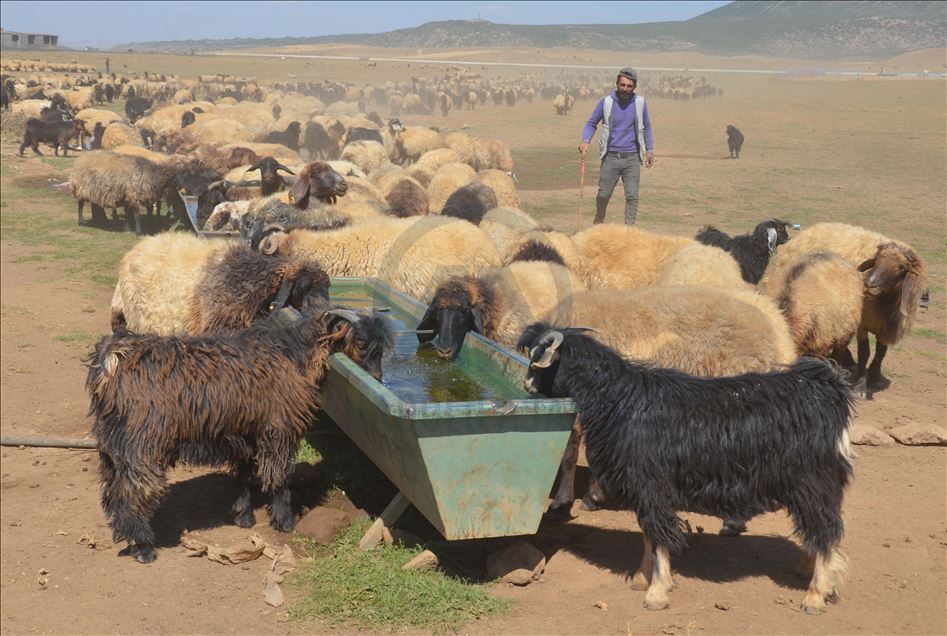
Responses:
[627,143]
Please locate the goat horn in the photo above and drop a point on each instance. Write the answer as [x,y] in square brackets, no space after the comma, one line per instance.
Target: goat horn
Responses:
[269,246]
[546,360]
[273,226]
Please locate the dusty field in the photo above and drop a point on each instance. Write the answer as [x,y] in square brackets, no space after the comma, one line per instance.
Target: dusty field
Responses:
[864,152]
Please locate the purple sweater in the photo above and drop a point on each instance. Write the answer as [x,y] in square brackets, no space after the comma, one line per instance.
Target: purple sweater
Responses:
[622,138]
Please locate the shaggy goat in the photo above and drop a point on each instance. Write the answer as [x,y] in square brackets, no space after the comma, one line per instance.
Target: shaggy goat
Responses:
[734,141]
[895,278]
[288,137]
[661,441]
[136,107]
[701,331]
[753,250]
[259,391]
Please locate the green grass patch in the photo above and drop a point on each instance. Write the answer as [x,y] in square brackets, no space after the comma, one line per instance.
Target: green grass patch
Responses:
[345,585]
[931,334]
[77,337]
[307,453]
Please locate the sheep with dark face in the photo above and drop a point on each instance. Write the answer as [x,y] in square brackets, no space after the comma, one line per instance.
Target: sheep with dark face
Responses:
[136,107]
[734,141]
[148,417]
[895,278]
[498,304]
[177,284]
[319,180]
[662,441]
[470,202]
[753,250]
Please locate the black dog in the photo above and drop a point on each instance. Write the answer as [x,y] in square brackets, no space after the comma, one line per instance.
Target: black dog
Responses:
[734,141]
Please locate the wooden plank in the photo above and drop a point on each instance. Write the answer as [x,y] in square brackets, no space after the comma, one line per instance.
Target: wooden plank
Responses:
[387,519]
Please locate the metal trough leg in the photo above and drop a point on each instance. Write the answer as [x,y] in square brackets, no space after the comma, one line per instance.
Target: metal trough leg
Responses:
[387,519]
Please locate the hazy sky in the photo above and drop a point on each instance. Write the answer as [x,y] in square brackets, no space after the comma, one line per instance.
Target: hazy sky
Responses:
[102,24]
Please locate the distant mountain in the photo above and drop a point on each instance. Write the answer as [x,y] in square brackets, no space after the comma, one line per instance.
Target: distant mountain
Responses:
[829,30]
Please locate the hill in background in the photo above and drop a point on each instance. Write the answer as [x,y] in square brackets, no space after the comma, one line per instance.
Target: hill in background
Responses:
[816,30]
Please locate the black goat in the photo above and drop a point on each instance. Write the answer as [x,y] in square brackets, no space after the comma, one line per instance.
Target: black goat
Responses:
[270,181]
[7,93]
[660,441]
[288,137]
[363,134]
[136,107]
[57,134]
[734,141]
[258,393]
[97,134]
[751,251]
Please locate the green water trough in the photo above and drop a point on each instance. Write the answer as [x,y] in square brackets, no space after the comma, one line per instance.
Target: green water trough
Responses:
[476,458]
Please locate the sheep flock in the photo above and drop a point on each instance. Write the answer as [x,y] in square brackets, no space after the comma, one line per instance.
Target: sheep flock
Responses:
[313,181]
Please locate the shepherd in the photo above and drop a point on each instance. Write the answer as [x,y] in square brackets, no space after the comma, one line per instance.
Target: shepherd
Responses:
[626,143]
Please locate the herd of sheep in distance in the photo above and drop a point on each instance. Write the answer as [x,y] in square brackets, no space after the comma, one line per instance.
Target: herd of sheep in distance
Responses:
[699,366]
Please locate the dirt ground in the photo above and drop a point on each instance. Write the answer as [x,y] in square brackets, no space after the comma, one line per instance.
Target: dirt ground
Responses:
[809,166]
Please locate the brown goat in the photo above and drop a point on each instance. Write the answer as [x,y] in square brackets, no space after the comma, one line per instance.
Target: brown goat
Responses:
[242,400]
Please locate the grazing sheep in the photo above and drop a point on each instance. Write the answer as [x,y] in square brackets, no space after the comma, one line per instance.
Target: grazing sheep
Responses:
[661,441]
[821,295]
[430,162]
[136,107]
[109,180]
[492,154]
[367,155]
[753,250]
[322,138]
[462,144]
[470,202]
[259,393]
[703,266]
[504,224]
[895,278]
[558,241]
[734,141]
[288,137]
[414,141]
[498,304]
[446,181]
[92,116]
[119,134]
[414,255]
[620,256]
[176,283]
[57,134]
[407,198]
[563,103]
[503,186]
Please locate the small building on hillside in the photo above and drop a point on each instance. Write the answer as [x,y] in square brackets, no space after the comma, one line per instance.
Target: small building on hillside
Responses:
[18,40]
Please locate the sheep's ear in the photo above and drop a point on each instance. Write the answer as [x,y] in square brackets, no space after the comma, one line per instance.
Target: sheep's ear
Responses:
[771,238]
[477,313]
[428,323]
[255,166]
[864,267]
[300,191]
[280,166]
[907,293]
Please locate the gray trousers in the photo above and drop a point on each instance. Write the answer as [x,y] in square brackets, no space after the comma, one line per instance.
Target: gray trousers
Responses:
[629,169]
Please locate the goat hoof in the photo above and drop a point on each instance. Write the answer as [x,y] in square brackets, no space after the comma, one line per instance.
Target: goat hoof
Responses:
[591,505]
[656,603]
[640,582]
[245,519]
[284,525]
[146,555]
[879,384]
[129,550]
[813,608]
[559,510]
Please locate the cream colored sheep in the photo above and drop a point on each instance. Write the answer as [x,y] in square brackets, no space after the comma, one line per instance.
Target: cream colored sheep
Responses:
[504,225]
[502,184]
[414,255]
[450,177]
[119,134]
[492,153]
[620,256]
[414,141]
[367,155]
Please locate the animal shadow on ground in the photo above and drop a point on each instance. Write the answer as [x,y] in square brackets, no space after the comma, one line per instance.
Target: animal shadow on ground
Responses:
[709,557]
[204,502]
